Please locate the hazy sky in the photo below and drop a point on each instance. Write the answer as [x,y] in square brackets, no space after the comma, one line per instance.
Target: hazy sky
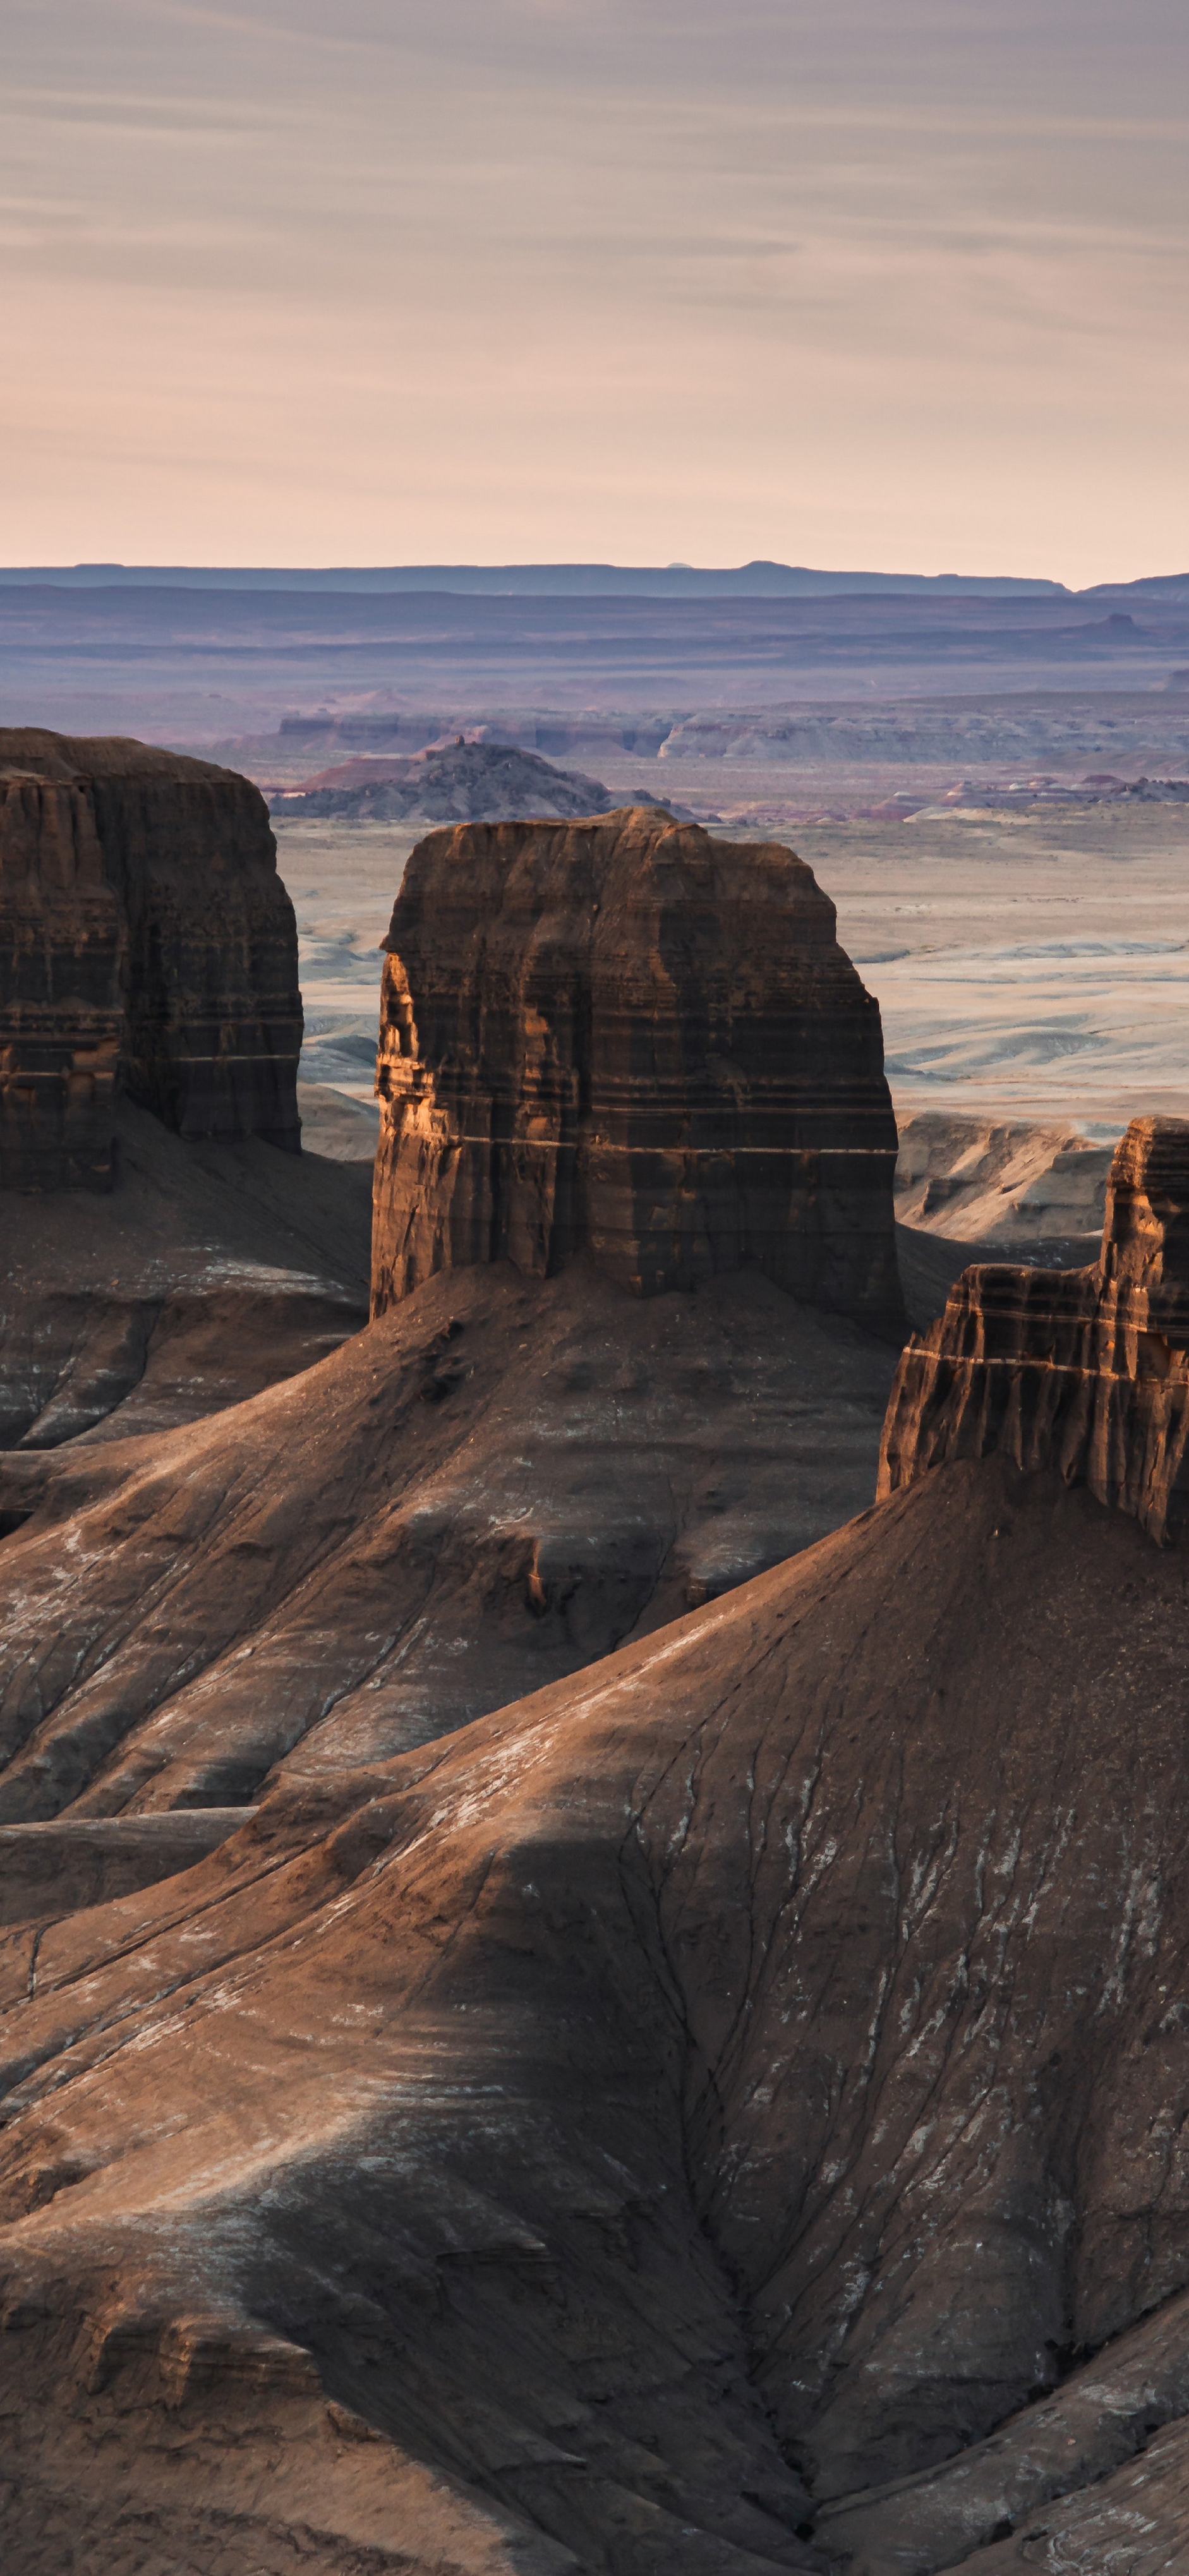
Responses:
[891,283]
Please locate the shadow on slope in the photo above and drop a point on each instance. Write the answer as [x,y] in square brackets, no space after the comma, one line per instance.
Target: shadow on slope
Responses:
[623,2137]
[211,1270]
[495,1484]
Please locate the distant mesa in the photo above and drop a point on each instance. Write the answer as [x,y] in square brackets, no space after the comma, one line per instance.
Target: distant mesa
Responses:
[623,1037]
[146,943]
[762,575]
[1082,1371]
[454,781]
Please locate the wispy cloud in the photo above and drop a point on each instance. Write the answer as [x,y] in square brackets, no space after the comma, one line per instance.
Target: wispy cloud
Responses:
[547,273]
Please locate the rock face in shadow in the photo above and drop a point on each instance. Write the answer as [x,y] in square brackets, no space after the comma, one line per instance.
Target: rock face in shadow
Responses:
[145,937]
[63,954]
[1084,1371]
[496,1483]
[623,1036]
[644,2131]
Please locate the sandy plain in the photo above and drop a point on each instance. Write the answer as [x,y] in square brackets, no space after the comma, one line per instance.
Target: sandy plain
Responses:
[1032,963]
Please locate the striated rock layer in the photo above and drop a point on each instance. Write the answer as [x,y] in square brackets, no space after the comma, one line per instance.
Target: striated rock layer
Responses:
[63,949]
[621,1035]
[1086,1371]
[145,938]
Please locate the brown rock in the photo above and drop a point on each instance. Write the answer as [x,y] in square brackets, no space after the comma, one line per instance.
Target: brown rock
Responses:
[50,1870]
[667,2117]
[63,949]
[624,1036]
[144,932]
[1086,1371]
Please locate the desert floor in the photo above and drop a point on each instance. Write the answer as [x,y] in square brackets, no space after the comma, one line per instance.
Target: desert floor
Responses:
[1033,962]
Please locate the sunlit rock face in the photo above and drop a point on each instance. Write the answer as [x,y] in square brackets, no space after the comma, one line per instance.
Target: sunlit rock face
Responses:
[1086,1371]
[622,1036]
[145,939]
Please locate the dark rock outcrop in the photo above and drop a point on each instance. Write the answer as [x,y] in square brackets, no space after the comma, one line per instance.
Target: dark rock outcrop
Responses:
[623,1036]
[63,954]
[146,939]
[1084,1371]
[700,2119]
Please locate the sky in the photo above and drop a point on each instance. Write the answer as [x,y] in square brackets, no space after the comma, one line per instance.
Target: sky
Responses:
[890,284]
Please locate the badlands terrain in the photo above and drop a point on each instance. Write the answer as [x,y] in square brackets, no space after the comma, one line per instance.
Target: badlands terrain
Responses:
[594,1914]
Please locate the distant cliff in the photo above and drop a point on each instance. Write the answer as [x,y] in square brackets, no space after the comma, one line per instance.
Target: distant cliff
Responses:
[622,1036]
[145,939]
[1085,1371]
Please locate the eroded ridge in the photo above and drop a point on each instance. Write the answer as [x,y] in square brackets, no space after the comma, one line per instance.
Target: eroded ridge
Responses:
[621,1036]
[1086,1371]
[145,940]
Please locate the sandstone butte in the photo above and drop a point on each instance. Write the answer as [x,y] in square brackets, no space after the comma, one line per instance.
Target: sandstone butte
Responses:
[146,943]
[621,1036]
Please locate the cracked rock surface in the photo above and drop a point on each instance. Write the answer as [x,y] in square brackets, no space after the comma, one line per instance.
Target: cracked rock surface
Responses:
[725,2112]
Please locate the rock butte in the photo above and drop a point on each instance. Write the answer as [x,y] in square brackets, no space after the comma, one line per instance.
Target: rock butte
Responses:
[147,942]
[622,1036]
[1085,1371]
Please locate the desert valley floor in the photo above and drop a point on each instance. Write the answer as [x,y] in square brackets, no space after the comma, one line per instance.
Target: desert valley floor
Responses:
[1031,963]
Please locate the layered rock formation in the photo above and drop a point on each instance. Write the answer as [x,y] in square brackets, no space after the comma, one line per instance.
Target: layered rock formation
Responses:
[725,2114]
[624,1036]
[145,937]
[1083,1371]
[63,957]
